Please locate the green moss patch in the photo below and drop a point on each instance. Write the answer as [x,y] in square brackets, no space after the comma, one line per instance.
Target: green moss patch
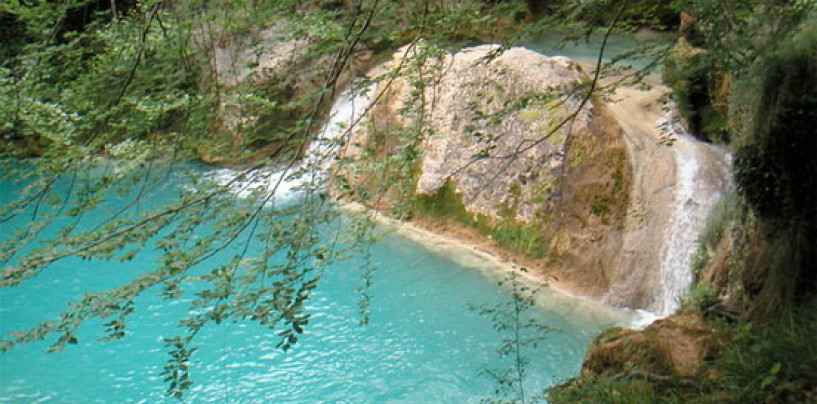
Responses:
[524,238]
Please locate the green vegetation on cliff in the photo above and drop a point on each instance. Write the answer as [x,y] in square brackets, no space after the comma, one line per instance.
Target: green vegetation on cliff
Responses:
[745,74]
[522,238]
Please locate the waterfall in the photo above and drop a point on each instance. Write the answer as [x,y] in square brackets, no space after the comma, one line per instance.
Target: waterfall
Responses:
[702,171]
[290,185]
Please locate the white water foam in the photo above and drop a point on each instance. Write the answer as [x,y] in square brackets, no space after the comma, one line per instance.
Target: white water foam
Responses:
[642,318]
[702,171]
[288,186]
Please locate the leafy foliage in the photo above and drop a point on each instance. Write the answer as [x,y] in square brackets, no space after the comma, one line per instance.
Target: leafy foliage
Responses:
[692,76]
[729,215]
[702,296]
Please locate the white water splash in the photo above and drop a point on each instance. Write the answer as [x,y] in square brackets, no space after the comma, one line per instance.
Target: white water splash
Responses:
[702,171]
[288,186]
[642,318]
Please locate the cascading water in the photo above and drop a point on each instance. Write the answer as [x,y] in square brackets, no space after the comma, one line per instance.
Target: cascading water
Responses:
[702,171]
[288,185]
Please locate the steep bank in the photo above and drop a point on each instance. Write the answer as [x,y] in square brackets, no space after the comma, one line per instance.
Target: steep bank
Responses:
[652,192]
[676,181]
[472,251]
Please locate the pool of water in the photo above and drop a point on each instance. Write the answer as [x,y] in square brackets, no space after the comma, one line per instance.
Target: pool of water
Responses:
[422,343]
[619,47]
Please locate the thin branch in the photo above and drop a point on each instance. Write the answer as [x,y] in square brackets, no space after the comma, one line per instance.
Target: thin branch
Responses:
[139,53]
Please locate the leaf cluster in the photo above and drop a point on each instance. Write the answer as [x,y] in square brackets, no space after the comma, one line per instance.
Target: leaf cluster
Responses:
[519,332]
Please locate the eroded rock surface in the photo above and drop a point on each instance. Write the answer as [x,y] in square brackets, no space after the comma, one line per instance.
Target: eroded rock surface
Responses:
[515,158]
[498,128]
[512,135]
[256,57]
[674,346]
[515,138]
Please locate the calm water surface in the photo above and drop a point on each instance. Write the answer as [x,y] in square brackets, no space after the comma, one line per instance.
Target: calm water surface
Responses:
[618,47]
[422,344]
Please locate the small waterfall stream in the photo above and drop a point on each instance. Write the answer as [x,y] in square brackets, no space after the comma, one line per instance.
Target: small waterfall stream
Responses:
[289,185]
[702,172]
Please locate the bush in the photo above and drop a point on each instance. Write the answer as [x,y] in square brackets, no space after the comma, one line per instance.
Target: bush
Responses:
[702,296]
[700,259]
[774,363]
[690,73]
[598,389]
[730,208]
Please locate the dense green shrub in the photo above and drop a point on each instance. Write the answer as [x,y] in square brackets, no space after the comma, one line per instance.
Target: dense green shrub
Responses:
[773,363]
[775,168]
[730,211]
[597,389]
[702,296]
[691,74]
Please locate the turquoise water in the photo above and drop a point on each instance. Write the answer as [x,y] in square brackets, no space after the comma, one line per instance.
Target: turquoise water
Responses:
[422,344]
[637,53]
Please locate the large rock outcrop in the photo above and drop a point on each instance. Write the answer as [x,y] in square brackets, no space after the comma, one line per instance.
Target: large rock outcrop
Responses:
[497,149]
[257,56]
[610,196]
[254,76]
[513,136]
